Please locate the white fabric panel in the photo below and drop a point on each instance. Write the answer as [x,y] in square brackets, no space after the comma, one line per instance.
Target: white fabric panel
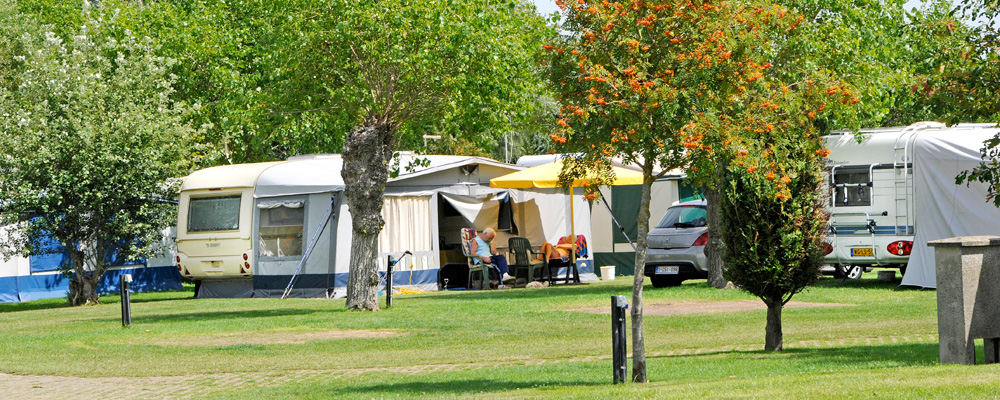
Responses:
[472,209]
[267,205]
[542,215]
[942,208]
[407,224]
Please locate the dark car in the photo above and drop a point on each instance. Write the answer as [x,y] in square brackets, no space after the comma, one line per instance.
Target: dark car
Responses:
[676,247]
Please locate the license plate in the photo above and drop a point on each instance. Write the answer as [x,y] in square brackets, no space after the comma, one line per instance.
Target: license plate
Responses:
[862,252]
[668,270]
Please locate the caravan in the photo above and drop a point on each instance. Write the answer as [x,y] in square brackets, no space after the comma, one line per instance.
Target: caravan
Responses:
[895,189]
[244,230]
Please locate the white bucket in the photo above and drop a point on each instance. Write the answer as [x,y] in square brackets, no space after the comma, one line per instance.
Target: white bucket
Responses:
[608,272]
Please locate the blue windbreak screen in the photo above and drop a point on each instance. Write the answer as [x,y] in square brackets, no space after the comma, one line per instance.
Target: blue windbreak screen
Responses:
[52,256]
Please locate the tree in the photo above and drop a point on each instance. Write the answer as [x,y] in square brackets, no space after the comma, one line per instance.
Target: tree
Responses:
[636,78]
[394,68]
[964,81]
[90,139]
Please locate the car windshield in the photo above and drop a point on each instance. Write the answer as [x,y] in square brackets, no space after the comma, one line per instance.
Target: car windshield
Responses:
[683,217]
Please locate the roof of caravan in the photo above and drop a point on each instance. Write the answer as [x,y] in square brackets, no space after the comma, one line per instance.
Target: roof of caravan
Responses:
[314,173]
[892,144]
[228,176]
[302,175]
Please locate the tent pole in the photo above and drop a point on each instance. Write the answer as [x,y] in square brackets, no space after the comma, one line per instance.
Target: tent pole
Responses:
[620,227]
[312,245]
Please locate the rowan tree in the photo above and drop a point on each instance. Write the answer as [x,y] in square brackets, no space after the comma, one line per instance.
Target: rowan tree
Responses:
[643,81]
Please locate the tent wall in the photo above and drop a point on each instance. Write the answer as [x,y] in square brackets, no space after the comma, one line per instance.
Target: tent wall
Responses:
[272,271]
[609,246]
[18,281]
[942,208]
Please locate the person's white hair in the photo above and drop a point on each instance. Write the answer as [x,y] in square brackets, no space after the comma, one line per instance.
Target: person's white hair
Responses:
[489,231]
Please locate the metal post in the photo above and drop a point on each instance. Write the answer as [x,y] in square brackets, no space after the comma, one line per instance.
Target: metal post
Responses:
[388,282]
[618,335]
[126,301]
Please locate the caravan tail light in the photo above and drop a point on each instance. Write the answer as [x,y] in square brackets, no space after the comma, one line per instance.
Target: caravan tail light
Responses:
[827,248]
[702,240]
[246,265]
[900,248]
[245,257]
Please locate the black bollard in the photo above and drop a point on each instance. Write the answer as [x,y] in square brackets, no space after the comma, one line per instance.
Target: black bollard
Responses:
[126,301]
[388,282]
[618,337]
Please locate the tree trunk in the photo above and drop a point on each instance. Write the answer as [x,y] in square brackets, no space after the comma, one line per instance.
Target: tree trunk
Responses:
[83,287]
[367,152]
[773,336]
[638,341]
[713,250]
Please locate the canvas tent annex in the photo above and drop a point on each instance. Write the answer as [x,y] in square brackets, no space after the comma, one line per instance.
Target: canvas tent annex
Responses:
[34,277]
[243,230]
[895,191]
[614,221]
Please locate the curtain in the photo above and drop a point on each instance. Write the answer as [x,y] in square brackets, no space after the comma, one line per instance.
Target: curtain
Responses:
[407,224]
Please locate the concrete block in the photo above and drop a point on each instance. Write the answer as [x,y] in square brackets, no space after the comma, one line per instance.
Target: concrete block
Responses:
[968,296]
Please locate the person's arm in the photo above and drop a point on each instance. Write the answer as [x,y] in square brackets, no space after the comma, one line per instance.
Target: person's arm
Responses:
[474,246]
[493,248]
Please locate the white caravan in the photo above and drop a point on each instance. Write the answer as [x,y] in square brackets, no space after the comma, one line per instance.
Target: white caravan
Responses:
[876,204]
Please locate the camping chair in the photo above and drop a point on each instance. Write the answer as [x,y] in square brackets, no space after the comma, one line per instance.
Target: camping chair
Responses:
[582,251]
[524,259]
[481,268]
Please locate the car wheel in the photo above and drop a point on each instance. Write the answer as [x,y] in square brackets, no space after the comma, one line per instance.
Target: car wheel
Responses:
[664,281]
[854,272]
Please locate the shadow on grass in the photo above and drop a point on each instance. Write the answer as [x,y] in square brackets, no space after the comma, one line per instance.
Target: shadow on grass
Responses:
[45,304]
[449,388]
[847,357]
[221,315]
[864,283]
[542,293]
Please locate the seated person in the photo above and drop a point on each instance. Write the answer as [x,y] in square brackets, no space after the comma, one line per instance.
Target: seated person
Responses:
[483,247]
[556,252]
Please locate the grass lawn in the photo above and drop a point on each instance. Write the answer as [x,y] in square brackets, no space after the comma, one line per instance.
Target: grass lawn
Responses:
[521,343]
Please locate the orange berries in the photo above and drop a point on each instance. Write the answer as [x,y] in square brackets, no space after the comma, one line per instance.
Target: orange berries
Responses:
[752,168]
[823,152]
[786,180]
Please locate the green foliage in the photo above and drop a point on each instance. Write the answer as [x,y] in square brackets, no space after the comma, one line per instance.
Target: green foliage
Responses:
[90,139]
[966,80]
[463,70]
[773,240]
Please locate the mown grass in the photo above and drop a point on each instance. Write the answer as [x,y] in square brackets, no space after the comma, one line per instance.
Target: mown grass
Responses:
[513,343]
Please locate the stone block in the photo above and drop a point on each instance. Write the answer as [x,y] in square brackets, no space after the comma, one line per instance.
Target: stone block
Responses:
[968,296]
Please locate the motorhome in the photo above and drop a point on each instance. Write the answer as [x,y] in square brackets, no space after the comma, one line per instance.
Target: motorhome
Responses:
[892,189]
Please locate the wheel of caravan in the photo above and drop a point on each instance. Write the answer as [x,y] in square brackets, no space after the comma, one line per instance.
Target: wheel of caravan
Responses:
[839,271]
[855,271]
[664,281]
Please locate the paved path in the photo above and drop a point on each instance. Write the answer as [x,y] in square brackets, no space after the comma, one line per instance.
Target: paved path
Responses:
[185,387]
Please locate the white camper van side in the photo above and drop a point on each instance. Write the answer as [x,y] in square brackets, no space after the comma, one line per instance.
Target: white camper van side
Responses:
[872,195]
[214,223]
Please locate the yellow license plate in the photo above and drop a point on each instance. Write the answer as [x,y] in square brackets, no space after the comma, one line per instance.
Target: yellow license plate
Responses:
[862,252]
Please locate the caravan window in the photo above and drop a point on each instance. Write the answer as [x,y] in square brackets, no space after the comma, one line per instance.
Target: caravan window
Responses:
[857,191]
[214,214]
[281,226]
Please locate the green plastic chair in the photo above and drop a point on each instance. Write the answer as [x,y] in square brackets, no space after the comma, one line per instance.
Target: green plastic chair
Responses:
[524,260]
[480,268]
